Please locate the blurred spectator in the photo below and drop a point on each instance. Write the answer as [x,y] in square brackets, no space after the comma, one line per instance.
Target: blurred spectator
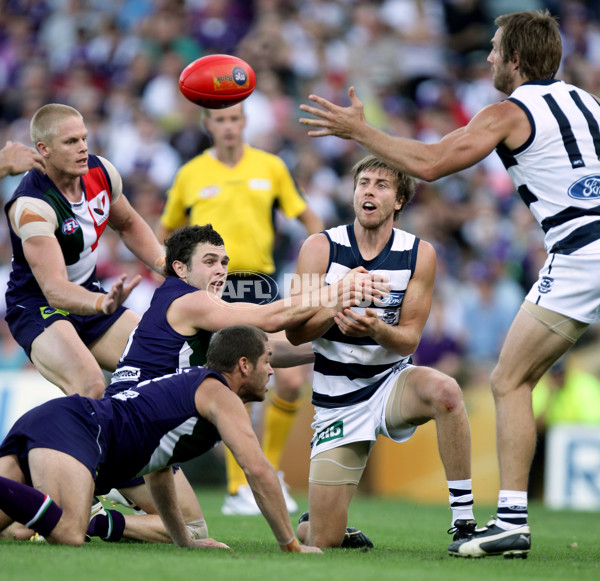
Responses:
[441,344]
[141,152]
[490,302]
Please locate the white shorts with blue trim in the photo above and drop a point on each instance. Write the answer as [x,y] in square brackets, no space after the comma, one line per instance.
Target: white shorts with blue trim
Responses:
[361,422]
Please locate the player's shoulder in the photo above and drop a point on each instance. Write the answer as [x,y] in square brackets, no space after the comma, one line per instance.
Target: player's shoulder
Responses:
[315,248]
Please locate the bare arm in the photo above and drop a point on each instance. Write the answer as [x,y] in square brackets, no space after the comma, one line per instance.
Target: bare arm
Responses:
[162,233]
[226,411]
[16,158]
[137,234]
[310,269]
[162,489]
[402,338]
[311,221]
[462,148]
[287,355]
[45,258]
[204,310]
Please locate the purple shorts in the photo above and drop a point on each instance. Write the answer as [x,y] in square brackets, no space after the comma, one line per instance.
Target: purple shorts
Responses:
[32,315]
[66,424]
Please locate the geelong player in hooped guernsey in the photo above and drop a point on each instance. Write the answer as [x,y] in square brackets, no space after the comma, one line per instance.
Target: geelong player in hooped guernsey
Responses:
[547,133]
[366,364]
[365,384]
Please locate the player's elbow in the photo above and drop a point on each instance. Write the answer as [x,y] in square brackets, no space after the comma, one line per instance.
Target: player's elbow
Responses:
[429,173]
[408,345]
[56,299]
[294,337]
[257,470]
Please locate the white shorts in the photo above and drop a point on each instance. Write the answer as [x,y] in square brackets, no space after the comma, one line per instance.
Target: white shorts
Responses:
[361,422]
[569,285]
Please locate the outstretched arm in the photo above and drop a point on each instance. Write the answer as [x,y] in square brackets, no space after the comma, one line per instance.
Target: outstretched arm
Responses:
[458,150]
[226,411]
[287,355]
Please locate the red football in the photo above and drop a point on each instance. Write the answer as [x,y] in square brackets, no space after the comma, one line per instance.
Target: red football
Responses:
[217,81]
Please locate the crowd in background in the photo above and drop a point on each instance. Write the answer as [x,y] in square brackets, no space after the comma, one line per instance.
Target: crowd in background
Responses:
[419,66]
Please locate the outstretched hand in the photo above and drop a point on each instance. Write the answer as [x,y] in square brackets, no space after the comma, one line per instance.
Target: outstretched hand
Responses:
[16,158]
[344,122]
[118,293]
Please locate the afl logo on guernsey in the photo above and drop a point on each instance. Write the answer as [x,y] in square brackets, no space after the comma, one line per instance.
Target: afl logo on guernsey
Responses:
[587,188]
[70,226]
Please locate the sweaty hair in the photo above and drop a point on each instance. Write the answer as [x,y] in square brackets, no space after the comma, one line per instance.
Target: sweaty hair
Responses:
[44,123]
[405,185]
[535,36]
[182,243]
[228,345]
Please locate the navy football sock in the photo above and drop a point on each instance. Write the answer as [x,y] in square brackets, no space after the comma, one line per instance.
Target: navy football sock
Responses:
[29,506]
[109,527]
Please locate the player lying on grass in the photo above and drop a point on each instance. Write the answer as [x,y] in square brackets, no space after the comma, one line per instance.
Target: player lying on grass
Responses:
[58,453]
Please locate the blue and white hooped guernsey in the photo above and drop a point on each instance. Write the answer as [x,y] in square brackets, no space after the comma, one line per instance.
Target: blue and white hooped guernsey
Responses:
[348,370]
[557,170]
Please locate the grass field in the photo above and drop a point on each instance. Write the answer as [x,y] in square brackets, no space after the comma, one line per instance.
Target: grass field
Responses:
[410,543]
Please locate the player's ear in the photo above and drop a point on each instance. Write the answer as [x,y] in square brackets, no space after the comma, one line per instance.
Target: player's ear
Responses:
[180,269]
[244,366]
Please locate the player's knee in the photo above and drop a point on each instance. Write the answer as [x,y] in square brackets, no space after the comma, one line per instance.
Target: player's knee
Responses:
[303,532]
[65,535]
[327,539]
[498,383]
[93,388]
[448,394]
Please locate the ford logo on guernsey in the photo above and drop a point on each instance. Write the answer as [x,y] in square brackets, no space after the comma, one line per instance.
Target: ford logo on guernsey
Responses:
[394,299]
[587,188]
[70,226]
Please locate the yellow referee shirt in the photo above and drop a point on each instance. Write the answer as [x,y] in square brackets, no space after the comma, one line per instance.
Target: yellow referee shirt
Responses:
[238,201]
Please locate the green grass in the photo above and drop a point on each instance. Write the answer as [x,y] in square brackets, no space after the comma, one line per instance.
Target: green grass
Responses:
[410,543]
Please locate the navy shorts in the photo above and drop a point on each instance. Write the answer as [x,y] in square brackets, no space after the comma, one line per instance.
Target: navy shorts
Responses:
[66,424]
[33,314]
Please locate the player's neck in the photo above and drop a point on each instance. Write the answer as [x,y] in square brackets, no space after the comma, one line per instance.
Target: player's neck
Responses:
[69,186]
[371,241]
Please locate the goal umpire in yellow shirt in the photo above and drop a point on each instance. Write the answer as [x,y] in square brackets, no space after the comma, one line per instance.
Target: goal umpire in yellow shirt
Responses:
[237,188]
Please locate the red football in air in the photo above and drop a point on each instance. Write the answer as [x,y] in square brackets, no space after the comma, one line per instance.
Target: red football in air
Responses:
[217,81]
